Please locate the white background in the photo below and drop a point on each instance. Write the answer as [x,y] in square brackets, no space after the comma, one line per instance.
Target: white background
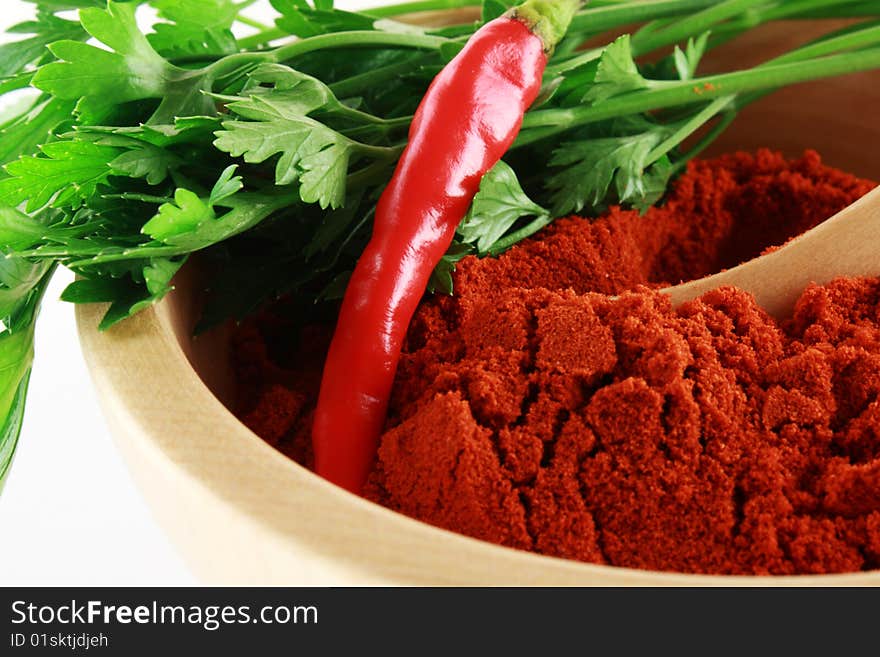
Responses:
[69,514]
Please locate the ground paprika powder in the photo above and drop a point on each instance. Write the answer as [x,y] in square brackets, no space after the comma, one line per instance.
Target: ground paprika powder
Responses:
[535,410]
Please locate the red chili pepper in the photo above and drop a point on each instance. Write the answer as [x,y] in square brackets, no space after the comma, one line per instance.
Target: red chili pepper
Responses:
[467,120]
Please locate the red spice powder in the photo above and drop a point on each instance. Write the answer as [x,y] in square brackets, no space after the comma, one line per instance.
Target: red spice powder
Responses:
[535,411]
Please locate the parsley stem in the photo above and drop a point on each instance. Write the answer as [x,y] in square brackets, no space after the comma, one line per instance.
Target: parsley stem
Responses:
[528,230]
[849,39]
[357,83]
[601,18]
[825,46]
[844,10]
[246,20]
[581,58]
[690,127]
[695,24]
[350,39]
[379,152]
[374,124]
[354,39]
[758,16]
[726,119]
[261,38]
[377,171]
[417,6]
[554,121]
[372,121]
[788,9]
[250,209]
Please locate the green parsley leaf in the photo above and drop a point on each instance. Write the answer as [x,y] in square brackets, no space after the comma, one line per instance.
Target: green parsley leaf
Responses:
[206,13]
[32,128]
[140,159]
[144,284]
[299,19]
[132,71]
[10,345]
[144,160]
[178,41]
[497,206]
[61,5]
[197,27]
[227,185]
[654,183]
[295,139]
[22,285]
[189,212]
[311,153]
[292,94]
[91,290]
[183,216]
[687,60]
[585,169]
[184,130]
[441,277]
[18,232]
[17,55]
[617,72]
[69,174]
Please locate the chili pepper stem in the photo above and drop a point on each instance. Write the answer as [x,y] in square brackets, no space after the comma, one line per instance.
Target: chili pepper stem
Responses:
[547,19]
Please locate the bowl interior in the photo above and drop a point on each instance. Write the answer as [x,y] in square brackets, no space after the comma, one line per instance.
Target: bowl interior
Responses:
[836,117]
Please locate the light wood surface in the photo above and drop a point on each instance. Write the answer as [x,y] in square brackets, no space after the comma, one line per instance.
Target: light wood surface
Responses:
[242,513]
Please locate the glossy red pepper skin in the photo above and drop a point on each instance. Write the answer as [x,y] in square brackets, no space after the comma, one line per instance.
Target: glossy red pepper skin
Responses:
[467,120]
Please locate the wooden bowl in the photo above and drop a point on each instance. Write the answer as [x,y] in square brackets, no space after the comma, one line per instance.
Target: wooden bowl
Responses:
[242,513]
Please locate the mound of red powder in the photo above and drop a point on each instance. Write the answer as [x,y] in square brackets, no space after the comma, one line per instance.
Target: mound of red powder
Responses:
[535,411]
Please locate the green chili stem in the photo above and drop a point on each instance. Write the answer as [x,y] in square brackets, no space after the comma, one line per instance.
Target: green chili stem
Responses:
[549,20]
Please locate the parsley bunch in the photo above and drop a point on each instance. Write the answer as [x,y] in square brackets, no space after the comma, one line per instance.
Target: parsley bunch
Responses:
[265,154]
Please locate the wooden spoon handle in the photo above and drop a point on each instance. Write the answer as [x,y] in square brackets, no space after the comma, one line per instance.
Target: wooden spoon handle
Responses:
[847,244]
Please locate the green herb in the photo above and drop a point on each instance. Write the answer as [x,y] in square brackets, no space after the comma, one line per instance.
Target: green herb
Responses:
[266,154]
[498,205]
